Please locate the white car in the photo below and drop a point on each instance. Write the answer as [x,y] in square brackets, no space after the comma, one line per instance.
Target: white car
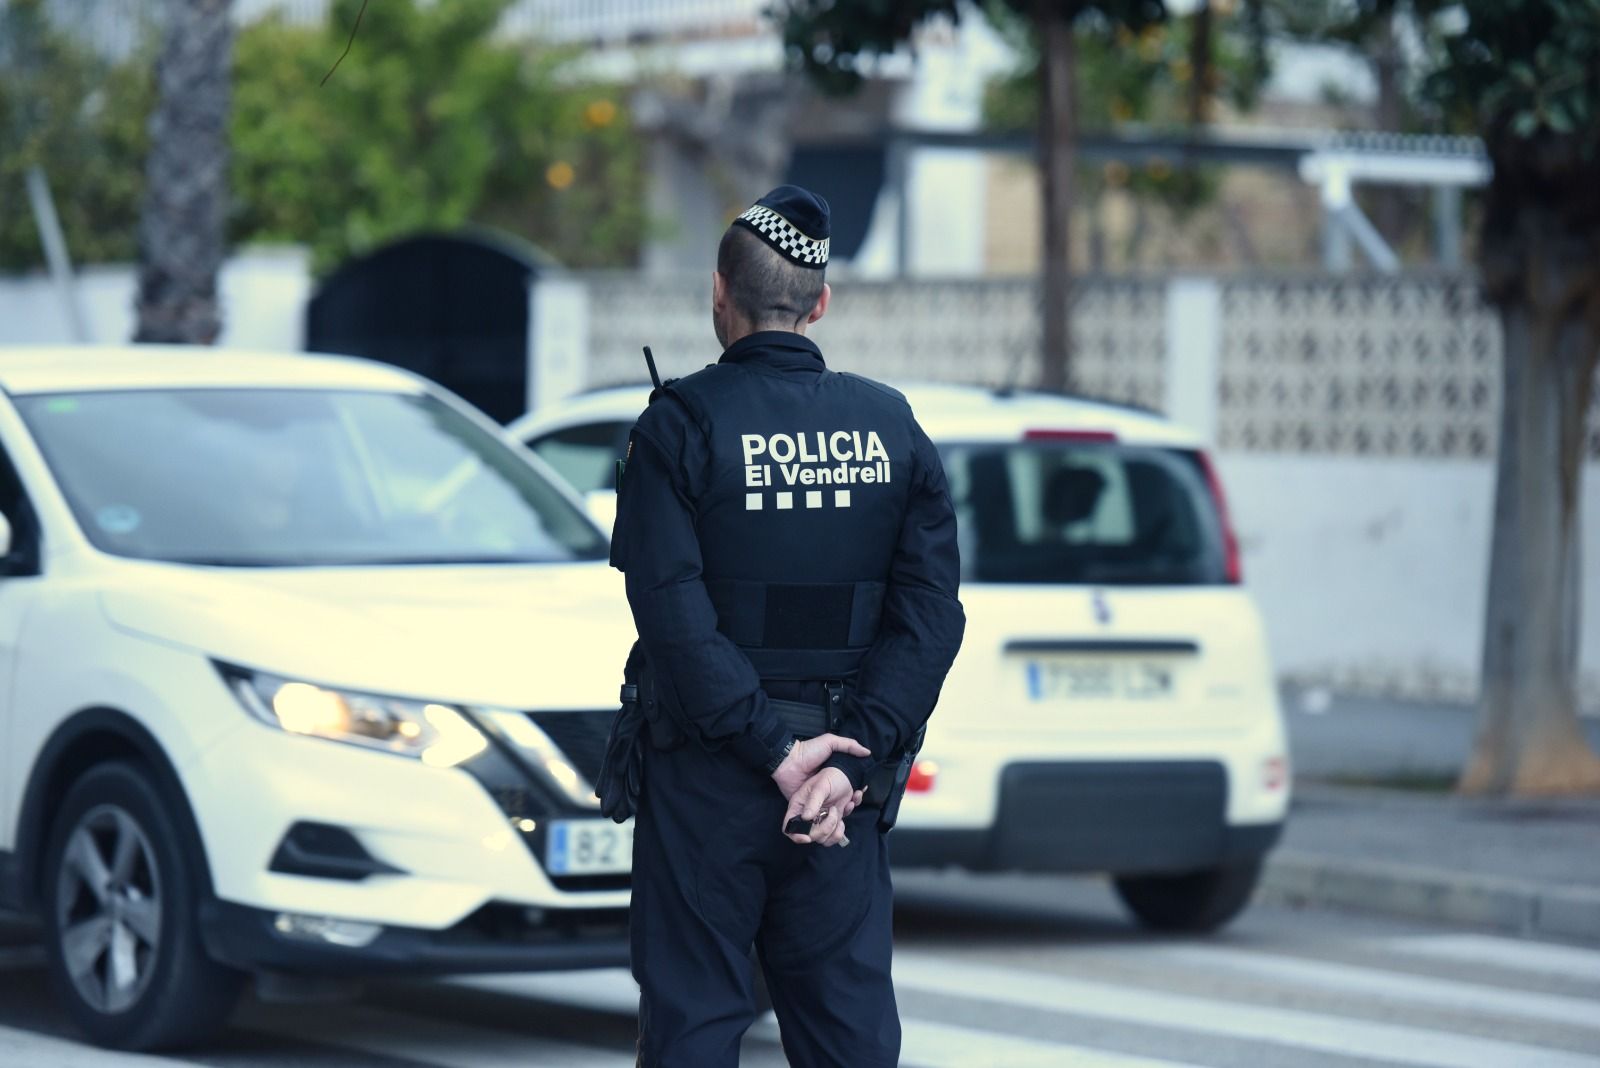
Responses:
[304,671]
[1113,708]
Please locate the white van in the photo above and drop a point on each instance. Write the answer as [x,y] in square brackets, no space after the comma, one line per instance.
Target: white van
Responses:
[304,670]
[1113,707]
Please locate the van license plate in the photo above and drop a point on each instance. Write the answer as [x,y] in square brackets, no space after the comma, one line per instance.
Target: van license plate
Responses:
[589,847]
[1098,680]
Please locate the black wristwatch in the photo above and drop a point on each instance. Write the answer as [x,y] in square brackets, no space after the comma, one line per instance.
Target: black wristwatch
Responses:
[782,752]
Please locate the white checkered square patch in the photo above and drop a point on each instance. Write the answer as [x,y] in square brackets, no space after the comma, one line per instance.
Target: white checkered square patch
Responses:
[786,236]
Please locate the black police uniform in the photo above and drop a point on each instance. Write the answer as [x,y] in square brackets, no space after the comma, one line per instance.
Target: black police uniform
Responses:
[782,527]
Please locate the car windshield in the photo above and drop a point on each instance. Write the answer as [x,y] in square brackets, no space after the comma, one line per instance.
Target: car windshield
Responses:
[1100,513]
[299,477]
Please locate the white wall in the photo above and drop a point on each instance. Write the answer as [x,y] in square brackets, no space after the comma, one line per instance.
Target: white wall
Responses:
[264,293]
[1371,572]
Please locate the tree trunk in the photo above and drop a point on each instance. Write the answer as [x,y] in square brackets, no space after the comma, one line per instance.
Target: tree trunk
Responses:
[1057,160]
[182,229]
[1200,73]
[1201,79]
[1390,210]
[1542,274]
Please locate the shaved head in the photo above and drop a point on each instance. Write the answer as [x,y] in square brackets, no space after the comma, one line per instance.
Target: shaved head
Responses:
[763,287]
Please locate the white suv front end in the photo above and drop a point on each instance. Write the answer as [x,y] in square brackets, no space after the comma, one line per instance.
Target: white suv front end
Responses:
[303,671]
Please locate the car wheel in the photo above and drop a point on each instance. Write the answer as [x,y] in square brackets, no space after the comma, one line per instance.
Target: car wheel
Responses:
[1193,901]
[120,910]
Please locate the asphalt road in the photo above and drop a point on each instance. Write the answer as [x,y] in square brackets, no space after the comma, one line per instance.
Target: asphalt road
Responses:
[1027,972]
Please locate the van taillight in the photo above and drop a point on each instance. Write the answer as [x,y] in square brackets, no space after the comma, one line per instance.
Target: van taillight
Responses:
[1230,542]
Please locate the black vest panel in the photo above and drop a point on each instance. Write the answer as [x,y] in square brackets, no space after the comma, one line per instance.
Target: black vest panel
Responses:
[809,479]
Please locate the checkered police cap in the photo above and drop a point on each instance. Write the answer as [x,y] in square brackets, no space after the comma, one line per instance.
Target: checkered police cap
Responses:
[794,221]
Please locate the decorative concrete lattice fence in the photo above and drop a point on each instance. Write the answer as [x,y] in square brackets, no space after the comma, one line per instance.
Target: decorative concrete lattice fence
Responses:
[985,332]
[1382,365]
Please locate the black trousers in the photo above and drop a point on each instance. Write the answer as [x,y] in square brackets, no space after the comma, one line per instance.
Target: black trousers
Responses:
[713,876]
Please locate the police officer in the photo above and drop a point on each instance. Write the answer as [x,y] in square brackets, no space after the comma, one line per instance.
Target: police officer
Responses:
[790,552]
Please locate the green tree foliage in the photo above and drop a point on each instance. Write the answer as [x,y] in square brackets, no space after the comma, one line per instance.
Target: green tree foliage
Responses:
[83,120]
[1527,74]
[430,123]
[1145,78]
[830,40]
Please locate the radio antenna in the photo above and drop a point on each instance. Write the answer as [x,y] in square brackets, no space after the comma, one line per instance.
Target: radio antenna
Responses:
[650,362]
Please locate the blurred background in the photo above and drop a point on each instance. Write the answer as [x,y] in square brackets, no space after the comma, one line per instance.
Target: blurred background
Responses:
[1278,254]
[1327,237]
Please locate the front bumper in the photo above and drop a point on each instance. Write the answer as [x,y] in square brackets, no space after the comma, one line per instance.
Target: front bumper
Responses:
[1120,817]
[437,846]
[496,938]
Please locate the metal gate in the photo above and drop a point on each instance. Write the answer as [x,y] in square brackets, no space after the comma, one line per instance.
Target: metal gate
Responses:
[453,308]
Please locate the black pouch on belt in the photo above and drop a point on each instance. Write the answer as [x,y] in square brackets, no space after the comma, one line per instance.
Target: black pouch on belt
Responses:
[886,788]
[622,770]
[665,732]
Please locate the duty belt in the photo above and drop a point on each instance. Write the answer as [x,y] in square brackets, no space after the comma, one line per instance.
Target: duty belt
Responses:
[806,720]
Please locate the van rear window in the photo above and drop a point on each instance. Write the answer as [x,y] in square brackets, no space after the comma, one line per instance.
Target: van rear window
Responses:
[1084,513]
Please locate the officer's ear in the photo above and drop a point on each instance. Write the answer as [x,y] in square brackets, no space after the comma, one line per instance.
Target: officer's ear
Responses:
[719,292]
[821,307]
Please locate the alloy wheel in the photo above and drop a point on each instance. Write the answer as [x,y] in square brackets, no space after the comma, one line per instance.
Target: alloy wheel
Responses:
[108,909]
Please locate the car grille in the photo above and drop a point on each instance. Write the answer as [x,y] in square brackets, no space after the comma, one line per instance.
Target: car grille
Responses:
[580,735]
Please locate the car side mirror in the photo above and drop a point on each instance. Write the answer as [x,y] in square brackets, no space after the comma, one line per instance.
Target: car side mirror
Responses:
[5,536]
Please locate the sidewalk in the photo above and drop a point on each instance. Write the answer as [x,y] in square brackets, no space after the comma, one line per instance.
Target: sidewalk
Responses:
[1528,866]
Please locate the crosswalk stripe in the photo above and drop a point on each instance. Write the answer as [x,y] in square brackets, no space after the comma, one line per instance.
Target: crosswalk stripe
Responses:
[1291,1027]
[1539,958]
[926,1044]
[18,1047]
[934,1045]
[430,1040]
[1353,979]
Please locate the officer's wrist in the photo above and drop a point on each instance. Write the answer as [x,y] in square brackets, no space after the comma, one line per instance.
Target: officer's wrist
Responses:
[856,769]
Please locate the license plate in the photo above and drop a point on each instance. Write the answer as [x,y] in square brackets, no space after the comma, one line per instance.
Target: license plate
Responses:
[1099,680]
[589,847]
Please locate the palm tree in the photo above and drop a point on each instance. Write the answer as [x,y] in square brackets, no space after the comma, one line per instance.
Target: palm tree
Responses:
[182,227]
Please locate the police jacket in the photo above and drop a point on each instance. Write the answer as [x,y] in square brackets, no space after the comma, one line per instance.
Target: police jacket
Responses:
[780,522]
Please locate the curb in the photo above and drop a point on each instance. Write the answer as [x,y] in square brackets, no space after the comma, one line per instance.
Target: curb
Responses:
[1437,894]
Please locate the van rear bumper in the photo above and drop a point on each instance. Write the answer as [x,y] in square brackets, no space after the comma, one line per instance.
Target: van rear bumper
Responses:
[1124,818]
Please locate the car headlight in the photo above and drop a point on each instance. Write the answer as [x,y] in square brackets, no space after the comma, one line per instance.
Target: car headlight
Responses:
[437,734]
